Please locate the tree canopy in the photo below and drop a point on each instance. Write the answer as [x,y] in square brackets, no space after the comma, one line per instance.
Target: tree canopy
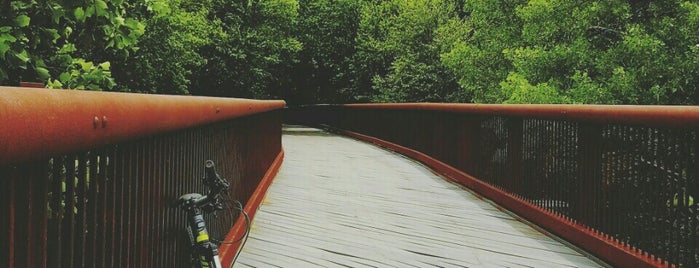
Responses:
[338,51]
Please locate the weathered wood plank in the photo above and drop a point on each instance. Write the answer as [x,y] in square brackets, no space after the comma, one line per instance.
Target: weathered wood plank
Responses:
[341,202]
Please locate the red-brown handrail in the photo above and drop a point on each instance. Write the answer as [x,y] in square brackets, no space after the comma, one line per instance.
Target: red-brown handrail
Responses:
[40,122]
[89,178]
[666,116]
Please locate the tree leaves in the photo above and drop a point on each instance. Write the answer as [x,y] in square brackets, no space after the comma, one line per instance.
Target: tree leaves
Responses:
[30,46]
[5,41]
[610,52]
[101,8]
[397,49]
[22,21]
[79,14]
[43,73]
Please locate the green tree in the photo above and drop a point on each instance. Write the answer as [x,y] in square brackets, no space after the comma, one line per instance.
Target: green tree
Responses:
[55,41]
[327,30]
[397,57]
[170,50]
[476,57]
[255,56]
[616,52]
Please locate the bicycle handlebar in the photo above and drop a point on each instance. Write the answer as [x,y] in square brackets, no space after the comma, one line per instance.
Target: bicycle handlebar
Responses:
[213,180]
[216,185]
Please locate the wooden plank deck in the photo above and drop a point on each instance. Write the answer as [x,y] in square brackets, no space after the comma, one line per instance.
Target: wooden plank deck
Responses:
[341,202]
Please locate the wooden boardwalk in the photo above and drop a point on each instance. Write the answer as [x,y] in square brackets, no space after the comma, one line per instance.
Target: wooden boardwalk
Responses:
[341,202]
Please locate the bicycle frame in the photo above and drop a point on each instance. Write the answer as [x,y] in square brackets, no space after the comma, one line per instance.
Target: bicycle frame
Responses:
[200,242]
[204,251]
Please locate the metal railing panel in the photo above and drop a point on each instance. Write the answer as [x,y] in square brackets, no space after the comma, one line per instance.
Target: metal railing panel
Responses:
[102,197]
[628,173]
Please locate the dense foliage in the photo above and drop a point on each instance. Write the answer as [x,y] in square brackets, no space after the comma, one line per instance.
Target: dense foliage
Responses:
[51,40]
[308,51]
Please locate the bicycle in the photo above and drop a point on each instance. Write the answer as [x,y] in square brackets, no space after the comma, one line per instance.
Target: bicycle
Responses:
[205,249]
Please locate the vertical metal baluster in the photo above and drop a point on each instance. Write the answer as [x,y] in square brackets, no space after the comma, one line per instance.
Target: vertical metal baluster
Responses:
[679,157]
[553,136]
[142,234]
[546,153]
[565,176]
[681,186]
[551,189]
[93,201]
[135,205]
[171,215]
[134,202]
[11,219]
[115,169]
[22,212]
[569,176]
[568,169]
[142,208]
[636,204]
[154,170]
[572,146]
[149,252]
[156,205]
[81,224]
[603,219]
[123,198]
[6,250]
[114,219]
[186,179]
[54,242]
[654,207]
[208,136]
[691,167]
[622,183]
[102,208]
[181,188]
[177,183]
[529,167]
[514,154]
[169,198]
[40,203]
[543,200]
[542,183]
[69,220]
[163,202]
[557,158]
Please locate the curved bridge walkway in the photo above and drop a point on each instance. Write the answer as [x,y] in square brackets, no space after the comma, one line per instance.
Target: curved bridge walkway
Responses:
[339,202]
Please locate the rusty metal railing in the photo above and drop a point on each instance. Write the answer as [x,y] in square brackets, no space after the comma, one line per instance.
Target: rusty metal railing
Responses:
[618,181]
[87,178]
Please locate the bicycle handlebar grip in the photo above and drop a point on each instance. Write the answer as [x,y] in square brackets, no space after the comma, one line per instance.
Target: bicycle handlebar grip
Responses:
[210,170]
